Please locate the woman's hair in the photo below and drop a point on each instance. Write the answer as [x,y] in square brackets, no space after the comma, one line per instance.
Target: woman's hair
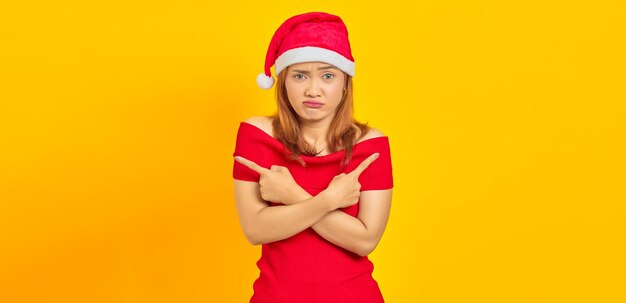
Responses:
[341,134]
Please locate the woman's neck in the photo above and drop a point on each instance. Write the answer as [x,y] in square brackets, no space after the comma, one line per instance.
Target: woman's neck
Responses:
[315,134]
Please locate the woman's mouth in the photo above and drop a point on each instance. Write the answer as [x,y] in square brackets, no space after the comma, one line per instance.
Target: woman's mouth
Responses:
[313,104]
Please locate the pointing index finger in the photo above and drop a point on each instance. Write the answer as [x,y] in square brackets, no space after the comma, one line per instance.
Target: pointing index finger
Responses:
[359,169]
[250,164]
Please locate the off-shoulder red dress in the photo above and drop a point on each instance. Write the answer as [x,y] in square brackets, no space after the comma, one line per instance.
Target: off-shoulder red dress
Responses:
[307,268]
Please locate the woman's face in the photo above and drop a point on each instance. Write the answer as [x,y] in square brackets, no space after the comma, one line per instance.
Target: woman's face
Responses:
[315,90]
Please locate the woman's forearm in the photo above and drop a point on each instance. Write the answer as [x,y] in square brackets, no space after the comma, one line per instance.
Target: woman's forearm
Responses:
[283,221]
[345,231]
[339,228]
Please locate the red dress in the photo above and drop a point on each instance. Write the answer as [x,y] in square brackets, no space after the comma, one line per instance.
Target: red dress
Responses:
[306,268]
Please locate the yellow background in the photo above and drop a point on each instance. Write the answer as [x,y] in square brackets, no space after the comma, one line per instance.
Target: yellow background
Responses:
[506,122]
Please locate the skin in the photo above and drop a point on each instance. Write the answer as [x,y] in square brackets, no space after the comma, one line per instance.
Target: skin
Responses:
[319,82]
[300,210]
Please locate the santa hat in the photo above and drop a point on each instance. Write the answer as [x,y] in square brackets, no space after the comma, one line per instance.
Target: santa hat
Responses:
[314,36]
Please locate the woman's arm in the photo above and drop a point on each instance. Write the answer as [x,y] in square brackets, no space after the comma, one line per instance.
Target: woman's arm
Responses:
[359,234]
[262,223]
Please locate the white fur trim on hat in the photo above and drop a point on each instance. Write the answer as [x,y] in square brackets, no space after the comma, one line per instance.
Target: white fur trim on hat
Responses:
[310,54]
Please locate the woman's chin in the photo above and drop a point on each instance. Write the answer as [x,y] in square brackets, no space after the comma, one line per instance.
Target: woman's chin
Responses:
[314,118]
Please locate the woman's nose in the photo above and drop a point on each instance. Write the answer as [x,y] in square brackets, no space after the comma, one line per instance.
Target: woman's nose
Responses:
[313,89]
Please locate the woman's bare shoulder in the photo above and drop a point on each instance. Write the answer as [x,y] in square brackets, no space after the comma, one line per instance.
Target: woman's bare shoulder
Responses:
[372,133]
[262,122]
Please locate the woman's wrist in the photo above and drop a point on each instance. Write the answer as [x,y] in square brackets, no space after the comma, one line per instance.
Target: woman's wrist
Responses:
[328,198]
[298,195]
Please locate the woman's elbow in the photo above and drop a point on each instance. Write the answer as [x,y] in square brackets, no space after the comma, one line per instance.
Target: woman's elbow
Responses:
[364,252]
[367,248]
[252,238]
[255,237]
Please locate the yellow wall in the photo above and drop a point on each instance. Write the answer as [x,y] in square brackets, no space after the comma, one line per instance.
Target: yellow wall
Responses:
[506,123]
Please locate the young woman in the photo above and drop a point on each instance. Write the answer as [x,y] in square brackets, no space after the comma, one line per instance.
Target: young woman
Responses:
[312,185]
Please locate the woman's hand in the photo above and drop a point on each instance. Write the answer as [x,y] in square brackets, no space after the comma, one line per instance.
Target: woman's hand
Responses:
[276,184]
[345,189]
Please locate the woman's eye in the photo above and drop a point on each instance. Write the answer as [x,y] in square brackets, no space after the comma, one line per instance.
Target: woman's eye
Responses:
[298,76]
[329,76]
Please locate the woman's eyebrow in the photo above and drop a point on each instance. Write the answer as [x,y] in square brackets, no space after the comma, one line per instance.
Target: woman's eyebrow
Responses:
[319,68]
[326,67]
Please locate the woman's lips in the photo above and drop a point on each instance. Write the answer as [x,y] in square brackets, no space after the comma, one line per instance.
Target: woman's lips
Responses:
[313,104]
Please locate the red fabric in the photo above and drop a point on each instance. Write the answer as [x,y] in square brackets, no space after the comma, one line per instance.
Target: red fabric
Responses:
[306,268]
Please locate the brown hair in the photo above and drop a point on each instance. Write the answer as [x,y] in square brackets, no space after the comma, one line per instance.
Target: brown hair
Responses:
[341,135]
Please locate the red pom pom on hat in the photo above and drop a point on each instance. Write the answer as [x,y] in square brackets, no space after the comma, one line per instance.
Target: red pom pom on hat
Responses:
[314,36]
